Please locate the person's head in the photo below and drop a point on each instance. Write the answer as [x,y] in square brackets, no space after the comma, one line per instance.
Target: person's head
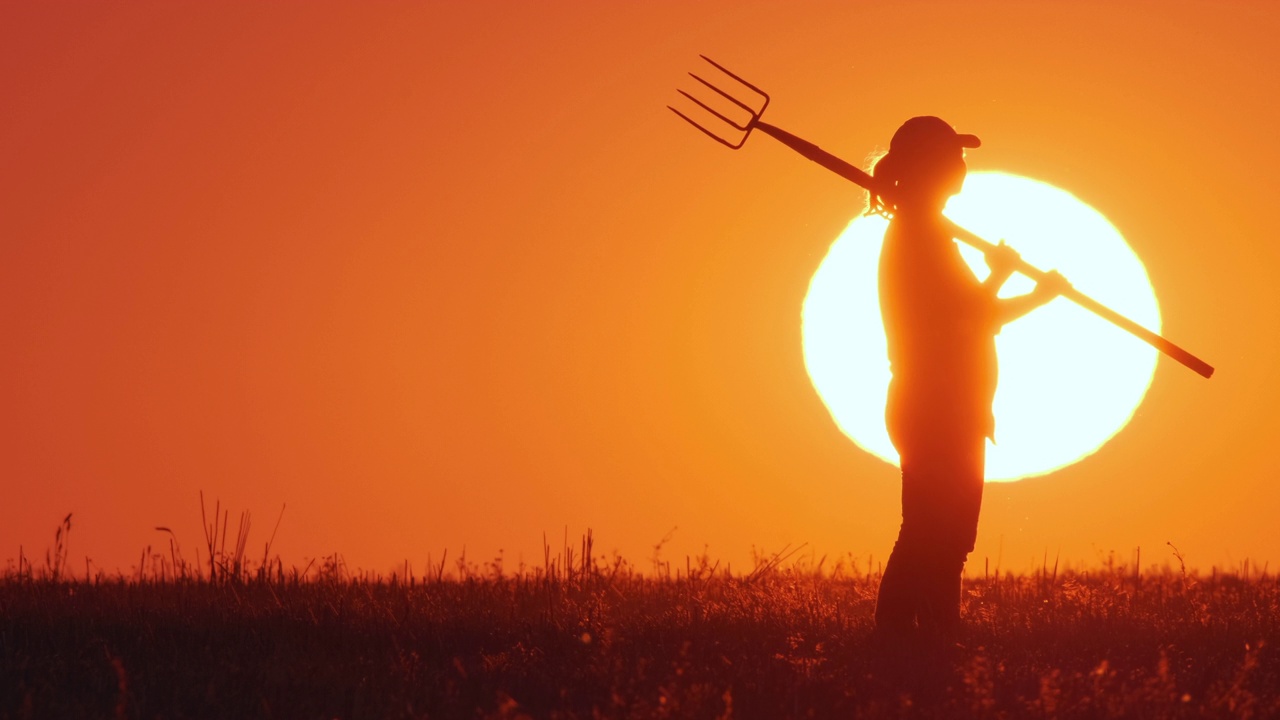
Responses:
[924,165]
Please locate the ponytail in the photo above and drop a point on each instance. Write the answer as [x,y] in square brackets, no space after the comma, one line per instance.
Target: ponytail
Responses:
[886,170]
[894,170]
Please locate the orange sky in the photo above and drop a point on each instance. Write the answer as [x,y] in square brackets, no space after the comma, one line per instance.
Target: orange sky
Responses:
[447,275]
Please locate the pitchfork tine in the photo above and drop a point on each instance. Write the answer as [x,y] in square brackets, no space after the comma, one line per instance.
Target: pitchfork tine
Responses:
[726,71]
[708,133]
[753,114]
[726,96]
[711,110]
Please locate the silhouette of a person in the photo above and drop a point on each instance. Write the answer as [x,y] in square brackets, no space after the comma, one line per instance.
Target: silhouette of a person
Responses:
[940,324]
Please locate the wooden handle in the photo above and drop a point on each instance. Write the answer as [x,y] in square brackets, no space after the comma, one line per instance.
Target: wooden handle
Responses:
[863,179]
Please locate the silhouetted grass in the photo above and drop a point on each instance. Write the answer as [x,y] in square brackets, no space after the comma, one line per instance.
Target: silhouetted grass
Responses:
[594,638]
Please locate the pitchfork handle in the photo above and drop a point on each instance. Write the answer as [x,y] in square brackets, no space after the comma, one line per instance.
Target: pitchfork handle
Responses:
[863,179]
[845,170]
[1201,367]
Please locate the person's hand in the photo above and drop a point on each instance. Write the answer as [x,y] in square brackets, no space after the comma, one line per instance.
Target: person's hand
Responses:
[1051,286]
[1002,260]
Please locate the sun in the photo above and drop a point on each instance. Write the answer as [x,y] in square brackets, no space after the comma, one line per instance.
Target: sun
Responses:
[1069,380]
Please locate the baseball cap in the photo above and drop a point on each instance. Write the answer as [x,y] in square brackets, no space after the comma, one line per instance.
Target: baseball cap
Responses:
[926,132]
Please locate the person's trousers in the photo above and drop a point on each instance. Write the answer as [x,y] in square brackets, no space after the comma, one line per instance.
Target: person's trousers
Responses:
[942,479]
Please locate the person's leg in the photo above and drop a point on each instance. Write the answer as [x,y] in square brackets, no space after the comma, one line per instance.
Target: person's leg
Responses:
[940,608]
[903,585]
[897,604]
[956,504]
[942,477]
[900,591]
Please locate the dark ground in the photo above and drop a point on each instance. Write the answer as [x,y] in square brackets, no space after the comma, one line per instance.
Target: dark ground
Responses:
[608,643]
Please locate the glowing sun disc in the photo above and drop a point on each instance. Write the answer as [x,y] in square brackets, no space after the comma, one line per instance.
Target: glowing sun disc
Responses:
[1069,380]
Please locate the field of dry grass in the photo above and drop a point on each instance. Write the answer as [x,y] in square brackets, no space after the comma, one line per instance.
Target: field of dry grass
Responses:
[579,638]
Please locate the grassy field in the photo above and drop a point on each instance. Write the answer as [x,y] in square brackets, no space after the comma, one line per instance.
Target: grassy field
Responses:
[595,638]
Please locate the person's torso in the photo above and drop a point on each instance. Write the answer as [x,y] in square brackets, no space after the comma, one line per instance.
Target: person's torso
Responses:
[939,322]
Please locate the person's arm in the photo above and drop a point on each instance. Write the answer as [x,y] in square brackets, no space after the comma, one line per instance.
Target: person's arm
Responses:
[1002,260]
[1049,287]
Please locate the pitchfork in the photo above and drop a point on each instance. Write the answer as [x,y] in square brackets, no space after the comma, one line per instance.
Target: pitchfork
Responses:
[742,129]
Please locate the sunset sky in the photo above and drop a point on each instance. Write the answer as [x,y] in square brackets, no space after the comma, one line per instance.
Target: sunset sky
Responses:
[449,275]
